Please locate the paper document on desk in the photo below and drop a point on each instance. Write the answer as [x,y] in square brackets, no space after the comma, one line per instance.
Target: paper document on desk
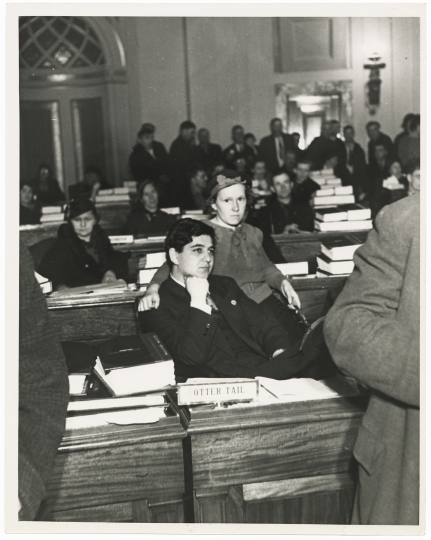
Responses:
[304,389]
[119,418]
[99,288]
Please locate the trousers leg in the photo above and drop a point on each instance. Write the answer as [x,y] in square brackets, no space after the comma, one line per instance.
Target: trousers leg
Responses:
[284,316]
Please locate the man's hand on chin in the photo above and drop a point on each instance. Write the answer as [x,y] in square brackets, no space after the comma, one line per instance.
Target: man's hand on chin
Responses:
[197,287]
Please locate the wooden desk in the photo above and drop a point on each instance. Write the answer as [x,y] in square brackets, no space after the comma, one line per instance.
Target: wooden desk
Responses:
[120,474]
[282,463]
[91,318]
[113,218]
[305,246]
[32,234]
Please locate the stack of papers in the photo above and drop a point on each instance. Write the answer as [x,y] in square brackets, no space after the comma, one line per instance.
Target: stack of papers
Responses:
[303,389]
[117,287]
[128,417]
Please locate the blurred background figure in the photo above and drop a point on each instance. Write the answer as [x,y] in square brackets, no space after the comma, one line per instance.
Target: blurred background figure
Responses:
[354,164]
[300,154]
[238,150]
[284,214]
[413,171]
[290,163]
[320,146]
[378,171]
[207,153]
[182,154]
[47,190]
[273,147]
[29,208]
[198,183]
[250,141]
[409,146]
[304,188]
[405,130]
[147,218]
[149,158]
[376,137]
[91,184]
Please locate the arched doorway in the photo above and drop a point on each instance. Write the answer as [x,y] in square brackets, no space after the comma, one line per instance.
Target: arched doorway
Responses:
[69,68]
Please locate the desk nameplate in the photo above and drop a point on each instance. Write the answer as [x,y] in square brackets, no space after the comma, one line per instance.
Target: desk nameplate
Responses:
[235,390]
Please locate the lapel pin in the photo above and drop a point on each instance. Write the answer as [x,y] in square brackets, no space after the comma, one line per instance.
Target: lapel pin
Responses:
[233,302]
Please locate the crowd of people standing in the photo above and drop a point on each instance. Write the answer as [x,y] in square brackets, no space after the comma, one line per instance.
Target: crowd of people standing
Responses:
[277,153]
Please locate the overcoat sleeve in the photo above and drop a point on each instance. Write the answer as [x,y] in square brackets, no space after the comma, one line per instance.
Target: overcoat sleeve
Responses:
[364,334]
[43,391]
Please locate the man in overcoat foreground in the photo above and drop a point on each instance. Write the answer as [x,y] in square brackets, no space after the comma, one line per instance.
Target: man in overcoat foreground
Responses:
[213,329]
[372,332]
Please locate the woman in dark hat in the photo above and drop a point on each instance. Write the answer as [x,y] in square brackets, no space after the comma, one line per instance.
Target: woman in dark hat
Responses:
[82,253]
[29,209]
[147,218]
[239,253]
[47,190]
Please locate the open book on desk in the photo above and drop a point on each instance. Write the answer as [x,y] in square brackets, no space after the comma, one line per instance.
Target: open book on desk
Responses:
[117,286]
[120,366]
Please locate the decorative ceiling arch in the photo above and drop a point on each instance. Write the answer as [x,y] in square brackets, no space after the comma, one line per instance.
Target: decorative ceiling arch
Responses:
[69,50]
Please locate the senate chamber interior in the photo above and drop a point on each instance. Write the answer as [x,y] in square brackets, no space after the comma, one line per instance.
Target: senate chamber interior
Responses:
[219,269]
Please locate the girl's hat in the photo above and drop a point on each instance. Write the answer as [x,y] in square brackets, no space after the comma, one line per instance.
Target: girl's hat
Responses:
[224,179]
[77,207]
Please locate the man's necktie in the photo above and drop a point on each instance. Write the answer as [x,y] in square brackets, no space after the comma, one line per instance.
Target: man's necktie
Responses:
[280,151]
[210,302]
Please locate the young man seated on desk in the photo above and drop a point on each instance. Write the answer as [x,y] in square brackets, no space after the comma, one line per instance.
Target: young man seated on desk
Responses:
[213,329]
[286,213]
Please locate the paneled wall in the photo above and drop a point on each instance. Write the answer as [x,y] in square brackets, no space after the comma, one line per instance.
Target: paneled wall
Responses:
[229,63]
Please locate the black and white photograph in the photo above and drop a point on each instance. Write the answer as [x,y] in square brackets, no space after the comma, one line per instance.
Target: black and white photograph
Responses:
[218,304]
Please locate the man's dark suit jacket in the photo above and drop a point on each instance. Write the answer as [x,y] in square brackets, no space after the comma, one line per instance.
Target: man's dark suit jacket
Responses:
[272,219]
[195,340]
[387,143]
[231,154]
[318,150]
[144,166]
[182,155]
[268,150]
[210,156]
[357,179]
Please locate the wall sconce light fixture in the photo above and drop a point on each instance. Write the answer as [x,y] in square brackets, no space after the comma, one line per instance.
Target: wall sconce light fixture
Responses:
[374,83]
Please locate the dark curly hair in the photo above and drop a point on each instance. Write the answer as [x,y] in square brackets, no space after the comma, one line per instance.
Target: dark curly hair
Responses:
[182,233]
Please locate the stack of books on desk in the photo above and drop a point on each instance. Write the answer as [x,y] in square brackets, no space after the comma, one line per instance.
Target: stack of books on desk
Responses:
[173,210]
[149,240]
[117,367]
[52,214]
[344,217]
[325,178]
[143,409]
[104,373]
[44,283]
[195,214]
[148,266]
[336,257]
[333,195]
[130,185]
[296,269]
[113,196]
